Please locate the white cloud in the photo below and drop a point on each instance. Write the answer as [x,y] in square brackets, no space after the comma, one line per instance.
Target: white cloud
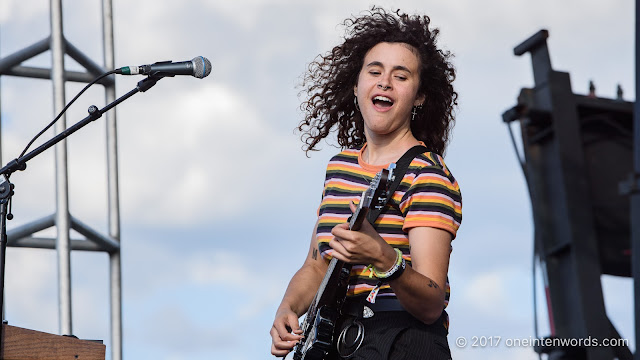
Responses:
[16,11]
[198,155]
[30,290]
[256,288]
[246,19]
[486,293]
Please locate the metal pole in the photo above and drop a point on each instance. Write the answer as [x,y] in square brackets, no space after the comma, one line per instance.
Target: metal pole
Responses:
[635,194]
[63,222]
[3,253]
[2,314]
[113,191]
[1,162]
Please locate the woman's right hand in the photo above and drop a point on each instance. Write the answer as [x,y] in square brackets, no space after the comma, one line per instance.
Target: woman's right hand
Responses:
[285,332]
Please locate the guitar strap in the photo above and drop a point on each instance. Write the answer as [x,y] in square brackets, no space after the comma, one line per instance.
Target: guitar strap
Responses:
[401,168]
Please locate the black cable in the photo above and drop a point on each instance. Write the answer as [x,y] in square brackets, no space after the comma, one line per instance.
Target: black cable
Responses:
[515,148]
[64,110]
[533,267]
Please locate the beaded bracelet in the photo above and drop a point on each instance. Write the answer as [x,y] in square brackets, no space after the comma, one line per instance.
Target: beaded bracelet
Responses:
[395,271]
[391,274]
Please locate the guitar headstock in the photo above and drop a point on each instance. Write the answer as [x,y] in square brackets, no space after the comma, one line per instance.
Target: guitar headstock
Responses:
[375,196]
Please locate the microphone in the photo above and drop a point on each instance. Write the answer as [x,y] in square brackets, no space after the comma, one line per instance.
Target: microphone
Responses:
[199,67]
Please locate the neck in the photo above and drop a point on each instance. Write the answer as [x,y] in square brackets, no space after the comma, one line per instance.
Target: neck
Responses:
[383,150]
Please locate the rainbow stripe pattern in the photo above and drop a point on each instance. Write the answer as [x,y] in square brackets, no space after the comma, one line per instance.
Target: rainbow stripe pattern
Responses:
[428,195]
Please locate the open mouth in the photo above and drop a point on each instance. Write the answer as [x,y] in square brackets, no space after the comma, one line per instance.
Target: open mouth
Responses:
[382,101]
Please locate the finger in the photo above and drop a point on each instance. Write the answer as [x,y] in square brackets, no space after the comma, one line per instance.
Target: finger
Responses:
[282,346]
[352,206]
[294,325]
[339,251]
[343,226]
[286,335]
[341,231]
[285,327]
[370,231]
[275,335]
[278,344]
[366,226]
[278,352]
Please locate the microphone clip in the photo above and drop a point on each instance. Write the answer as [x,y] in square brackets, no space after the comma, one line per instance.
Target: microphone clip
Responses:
[149,69]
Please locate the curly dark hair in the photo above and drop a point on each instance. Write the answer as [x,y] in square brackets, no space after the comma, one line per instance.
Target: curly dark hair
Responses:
[330,79]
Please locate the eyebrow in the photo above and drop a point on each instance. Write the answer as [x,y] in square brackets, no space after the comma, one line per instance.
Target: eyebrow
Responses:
[397,67]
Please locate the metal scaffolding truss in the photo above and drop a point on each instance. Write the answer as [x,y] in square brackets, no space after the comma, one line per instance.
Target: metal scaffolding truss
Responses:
[62,219]
[582,224]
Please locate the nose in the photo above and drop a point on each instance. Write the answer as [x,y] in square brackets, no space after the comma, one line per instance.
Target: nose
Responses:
[384,82]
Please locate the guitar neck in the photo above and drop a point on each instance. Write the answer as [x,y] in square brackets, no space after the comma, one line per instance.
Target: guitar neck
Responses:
[332,292]
[355,223]
[357,218]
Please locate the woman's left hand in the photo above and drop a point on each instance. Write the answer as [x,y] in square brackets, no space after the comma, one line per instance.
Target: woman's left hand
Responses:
[364,246]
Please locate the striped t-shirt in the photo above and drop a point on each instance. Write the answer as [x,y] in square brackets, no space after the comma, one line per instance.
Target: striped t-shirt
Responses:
[428,195]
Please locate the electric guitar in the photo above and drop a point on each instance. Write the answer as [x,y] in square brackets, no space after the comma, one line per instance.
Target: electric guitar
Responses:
[319,329]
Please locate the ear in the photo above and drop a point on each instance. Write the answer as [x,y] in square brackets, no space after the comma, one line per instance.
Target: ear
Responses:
[419,101]
[355,90]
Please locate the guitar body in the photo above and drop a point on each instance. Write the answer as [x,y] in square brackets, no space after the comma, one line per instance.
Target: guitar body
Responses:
[319,339]
[320,326]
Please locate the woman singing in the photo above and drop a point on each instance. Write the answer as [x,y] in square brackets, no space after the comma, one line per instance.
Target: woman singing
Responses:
[384,90]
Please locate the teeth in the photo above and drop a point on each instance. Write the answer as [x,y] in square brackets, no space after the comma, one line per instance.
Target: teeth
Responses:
[383,98]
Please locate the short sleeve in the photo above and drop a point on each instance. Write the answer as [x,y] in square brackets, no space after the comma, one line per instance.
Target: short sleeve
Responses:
[433,200]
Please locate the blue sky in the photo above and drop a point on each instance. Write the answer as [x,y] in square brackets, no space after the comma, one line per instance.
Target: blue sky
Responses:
[210,235]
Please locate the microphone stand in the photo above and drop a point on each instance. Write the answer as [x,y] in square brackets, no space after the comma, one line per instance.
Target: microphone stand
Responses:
[6,187]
